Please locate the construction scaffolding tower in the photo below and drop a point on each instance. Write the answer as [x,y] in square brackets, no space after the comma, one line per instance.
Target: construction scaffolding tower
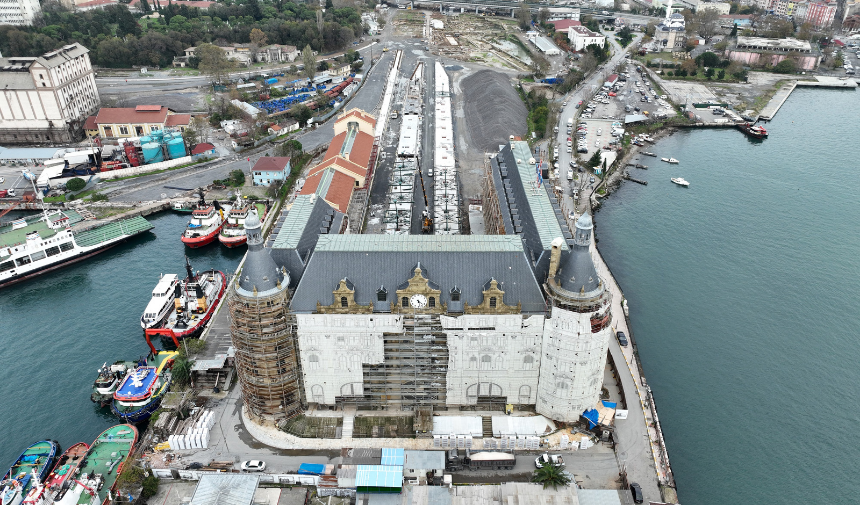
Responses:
[493,224]
[264,335]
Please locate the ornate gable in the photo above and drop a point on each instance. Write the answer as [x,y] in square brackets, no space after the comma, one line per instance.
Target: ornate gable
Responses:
[344,301]
[493,302]
[418,285]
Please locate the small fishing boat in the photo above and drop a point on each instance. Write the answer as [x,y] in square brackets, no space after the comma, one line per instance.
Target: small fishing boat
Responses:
[680,181]
[30,469]
[141,391]
[94,480]
[754,131]
[110,376]
[55,486]
[183,206]
[670,160]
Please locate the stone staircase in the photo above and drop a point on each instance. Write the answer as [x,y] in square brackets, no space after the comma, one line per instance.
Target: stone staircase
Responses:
[487,425]
[348,421]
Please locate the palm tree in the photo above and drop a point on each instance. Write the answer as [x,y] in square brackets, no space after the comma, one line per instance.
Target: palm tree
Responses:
[551,475]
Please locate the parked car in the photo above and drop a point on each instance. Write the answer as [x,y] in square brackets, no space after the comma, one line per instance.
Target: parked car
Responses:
[254,465]
[622,338]
[546,458]
[636,491]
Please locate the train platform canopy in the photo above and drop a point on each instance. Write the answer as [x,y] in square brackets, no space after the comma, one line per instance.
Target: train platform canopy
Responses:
[29,153]
[379,479]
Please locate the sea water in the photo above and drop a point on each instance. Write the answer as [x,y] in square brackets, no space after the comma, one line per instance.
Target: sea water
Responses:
[743,292]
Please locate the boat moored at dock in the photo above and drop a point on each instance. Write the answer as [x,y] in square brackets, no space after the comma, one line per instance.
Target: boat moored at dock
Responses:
[29,470]
[37,245]
[233,232]
[161,302]
[205,225]
[142,389]
[754,131]
[54,487]
[94,480]
[111,376]
[195,300]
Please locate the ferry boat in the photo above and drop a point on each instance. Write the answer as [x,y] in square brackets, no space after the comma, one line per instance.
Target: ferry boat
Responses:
[111,376]
[55,486]
[36,245]
[141,391]
[30,469]
[233,232]
[680,181]
[757,132]
[205,225]
[161,302]
[195,300]
[94,480]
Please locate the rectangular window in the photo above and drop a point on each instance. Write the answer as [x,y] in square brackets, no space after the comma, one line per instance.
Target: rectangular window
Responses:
[138,130]
[22,261]
[38,255]
[123,130]
[6,265]
[108,131]
[53,251]
[68,246]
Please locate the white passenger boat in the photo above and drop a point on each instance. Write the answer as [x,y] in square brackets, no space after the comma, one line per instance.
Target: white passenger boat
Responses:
[161,302]
[680,181]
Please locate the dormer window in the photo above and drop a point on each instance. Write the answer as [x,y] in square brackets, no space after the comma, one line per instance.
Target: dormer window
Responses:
[455,294]
[381,294]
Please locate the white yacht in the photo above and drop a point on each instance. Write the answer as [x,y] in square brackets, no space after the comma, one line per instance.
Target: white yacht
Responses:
[680,181]
[161,303]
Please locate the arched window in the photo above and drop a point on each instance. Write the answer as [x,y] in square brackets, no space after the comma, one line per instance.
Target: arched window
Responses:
[317,393]
[525,394]
[473,362]
[486,362]
[492,302]
[561,385]
[498,362]
[314,361]
[432,301]
[355,362]
[342,362]
[529,362]
[343,302]
[404,302]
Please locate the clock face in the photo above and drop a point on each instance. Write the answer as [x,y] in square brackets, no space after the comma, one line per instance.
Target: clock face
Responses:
[418,301]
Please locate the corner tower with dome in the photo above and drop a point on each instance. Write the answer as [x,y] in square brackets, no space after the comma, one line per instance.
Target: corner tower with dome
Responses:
[576,334]
[263,332]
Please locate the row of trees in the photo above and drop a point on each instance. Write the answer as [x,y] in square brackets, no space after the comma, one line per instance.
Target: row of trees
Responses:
[118,38]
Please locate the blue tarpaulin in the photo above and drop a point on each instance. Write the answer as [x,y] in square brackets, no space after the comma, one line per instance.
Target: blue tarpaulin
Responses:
[610,405]
[589,414]
[311,469]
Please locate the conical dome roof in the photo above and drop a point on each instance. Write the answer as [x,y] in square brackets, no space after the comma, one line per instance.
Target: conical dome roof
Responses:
[260,273]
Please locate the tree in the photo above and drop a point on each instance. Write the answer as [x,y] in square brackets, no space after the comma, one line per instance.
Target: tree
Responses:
[290,149]
[689,66]
[144,6]
[734,33]
[594,160]
[708,59]
[356,65]
[214,62]
[524,18]
[258,38]
[721,74]
[310,62]
[785,66]
[709,73]
[322,66]
[543,15]
[301,113]
[708,21]
[75,184]
[551,475]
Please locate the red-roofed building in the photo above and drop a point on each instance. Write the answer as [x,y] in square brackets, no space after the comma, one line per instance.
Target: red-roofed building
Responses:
[138,121]
[347,161]
[561,25]
[202,4]
[90,127]
[203,148]
[269,169]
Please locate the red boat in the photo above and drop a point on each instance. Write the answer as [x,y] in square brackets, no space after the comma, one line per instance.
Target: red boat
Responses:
[757,132]
[195,301]
[52,490]
[233,232]
[205,225]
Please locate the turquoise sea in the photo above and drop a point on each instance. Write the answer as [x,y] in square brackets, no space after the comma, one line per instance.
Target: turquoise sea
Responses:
[743,291]
[56,331]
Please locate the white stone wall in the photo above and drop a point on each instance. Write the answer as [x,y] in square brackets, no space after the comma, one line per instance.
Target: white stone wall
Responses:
[572,365]
[500,354]
[333,348]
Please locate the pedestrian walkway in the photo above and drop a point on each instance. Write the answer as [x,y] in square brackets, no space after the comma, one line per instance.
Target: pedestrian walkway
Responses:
[348,420]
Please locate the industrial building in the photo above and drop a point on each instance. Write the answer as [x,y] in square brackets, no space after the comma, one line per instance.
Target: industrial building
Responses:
[424,322]
[46,99]
[19,12]
[127,122]
[760,51]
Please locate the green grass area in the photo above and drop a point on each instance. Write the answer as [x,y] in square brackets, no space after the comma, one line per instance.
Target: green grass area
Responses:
[158,171]
[762,100]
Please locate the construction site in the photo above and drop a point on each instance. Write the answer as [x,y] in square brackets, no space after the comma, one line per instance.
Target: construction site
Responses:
[492,41]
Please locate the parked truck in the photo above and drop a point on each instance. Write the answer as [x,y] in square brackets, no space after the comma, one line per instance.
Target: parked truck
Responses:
[489,461]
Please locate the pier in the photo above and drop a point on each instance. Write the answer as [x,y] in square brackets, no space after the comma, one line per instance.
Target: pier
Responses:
[637,181]
[776,102]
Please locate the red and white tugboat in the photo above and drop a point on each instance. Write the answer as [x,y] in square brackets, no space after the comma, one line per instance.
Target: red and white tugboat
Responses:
[233,232]
[754,131]
[205,225]
[195,301]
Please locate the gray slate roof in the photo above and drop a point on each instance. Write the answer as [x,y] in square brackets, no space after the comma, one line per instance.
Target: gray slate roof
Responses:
[371,261]
[296,233]
[577,268]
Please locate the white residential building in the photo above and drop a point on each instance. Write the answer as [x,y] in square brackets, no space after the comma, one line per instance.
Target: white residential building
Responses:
[46,99]
[581,37]
[19,12]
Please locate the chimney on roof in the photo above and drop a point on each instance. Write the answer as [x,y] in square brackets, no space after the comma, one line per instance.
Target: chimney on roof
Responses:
[555,256]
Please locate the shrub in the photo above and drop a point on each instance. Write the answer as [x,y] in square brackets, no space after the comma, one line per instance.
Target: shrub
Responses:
[721,74]
[150,487]
[669,73]
[75,184]
[98,197]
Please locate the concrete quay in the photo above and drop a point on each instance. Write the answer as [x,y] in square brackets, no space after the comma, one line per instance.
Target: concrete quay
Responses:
[776,102]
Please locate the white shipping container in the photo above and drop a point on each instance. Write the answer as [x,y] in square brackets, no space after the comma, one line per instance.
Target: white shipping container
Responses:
[180,441]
